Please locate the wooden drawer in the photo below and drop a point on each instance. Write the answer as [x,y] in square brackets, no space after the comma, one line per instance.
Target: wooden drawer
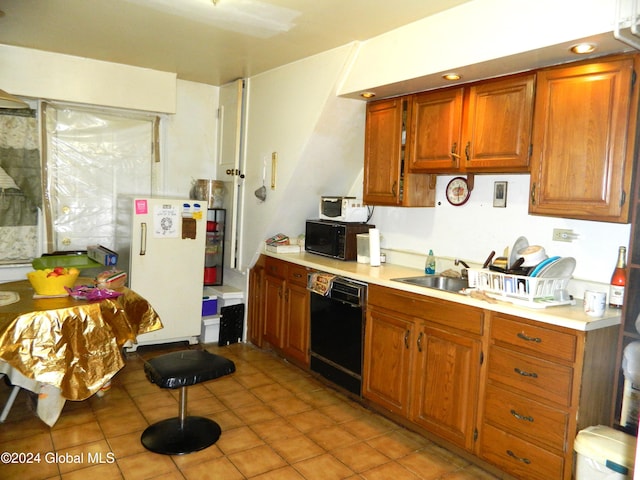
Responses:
[275,267]
[297,274]
[533,376]
[538,340]
[450,314]
[396,300]
[522,416]
[518,457]
[454,315]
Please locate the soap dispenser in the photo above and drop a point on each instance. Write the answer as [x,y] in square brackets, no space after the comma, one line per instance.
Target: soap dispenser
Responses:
[430,264]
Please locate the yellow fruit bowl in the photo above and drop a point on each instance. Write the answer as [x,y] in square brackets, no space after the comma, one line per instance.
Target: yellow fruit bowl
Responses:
[52,285]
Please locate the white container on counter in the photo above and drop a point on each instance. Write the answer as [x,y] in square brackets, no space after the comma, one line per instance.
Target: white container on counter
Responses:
[362,245]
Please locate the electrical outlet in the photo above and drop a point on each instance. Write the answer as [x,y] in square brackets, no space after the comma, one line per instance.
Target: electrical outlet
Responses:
[562,235]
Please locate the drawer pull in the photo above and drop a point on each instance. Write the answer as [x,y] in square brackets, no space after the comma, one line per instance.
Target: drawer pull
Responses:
[406,339]
[521,417]
[526,337]
[520,459]
[525,374]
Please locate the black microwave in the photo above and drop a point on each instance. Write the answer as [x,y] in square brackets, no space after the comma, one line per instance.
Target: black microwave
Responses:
[334,239]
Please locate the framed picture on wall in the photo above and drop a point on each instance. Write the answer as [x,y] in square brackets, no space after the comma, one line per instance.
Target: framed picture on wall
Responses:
[500,194]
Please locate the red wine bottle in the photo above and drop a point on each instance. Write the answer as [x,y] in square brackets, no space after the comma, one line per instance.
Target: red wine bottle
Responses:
[618,280]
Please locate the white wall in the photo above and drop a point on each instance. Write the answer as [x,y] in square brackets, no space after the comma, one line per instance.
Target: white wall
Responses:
[318,136]
[189,136]
[494,34]
[473,230]
[43,75]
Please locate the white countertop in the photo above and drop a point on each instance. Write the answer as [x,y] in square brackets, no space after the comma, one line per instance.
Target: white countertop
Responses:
[570,316]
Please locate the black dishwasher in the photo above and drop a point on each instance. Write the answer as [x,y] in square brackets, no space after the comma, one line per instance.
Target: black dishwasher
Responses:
[337,333]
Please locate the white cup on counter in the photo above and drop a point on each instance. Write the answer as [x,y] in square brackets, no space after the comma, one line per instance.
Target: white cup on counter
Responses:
[594,303]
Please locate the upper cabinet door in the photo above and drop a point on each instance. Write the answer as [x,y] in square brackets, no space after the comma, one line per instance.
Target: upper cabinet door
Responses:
[435,129]
[497,136]
[583,141]
[485,127]
[383,152]
[387,180]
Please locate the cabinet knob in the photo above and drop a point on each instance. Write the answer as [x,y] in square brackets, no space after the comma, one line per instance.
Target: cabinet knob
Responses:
[420,342]
[454,149]
[533,194]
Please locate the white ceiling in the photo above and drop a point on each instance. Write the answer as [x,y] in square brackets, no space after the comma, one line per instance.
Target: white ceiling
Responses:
[198,40]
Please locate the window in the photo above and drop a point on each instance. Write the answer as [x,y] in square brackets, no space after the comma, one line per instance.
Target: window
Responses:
[91,158]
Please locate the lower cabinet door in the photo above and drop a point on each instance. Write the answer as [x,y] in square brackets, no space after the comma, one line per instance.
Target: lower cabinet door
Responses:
[446,385]
[518,457]
[386,375]
[296,334]
[273,311]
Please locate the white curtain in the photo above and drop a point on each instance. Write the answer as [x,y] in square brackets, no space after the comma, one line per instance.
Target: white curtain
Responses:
[20,186]
[92,157]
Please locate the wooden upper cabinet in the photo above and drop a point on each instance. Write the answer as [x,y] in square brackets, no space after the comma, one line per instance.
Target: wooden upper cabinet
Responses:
[485,127]
[497,135]
[436,129]
[583,139]
[383,150]
[386,177]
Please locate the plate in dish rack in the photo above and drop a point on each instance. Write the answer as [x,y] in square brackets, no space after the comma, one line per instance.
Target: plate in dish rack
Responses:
[7,298]
[520,244]
[562,268]
[543,265]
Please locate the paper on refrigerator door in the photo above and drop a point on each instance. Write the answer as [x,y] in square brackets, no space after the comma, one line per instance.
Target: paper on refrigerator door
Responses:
[166,219]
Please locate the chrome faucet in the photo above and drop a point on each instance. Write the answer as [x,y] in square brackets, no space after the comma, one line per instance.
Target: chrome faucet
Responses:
[464,272]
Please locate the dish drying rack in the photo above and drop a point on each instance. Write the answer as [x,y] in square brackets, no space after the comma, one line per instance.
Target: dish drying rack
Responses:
[532,292]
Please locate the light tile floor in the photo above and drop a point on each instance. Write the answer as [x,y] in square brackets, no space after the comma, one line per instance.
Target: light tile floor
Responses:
[277,422]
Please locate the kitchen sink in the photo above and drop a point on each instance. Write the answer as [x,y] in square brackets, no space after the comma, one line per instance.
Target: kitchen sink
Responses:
[449,284]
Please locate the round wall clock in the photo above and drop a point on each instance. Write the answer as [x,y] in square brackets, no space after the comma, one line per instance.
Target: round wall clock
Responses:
[458,191]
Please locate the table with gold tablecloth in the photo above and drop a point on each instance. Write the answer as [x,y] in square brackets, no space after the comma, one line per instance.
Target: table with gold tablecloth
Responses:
[72,345]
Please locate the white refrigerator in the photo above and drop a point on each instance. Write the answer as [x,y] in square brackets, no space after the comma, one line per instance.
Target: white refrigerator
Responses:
[160,242]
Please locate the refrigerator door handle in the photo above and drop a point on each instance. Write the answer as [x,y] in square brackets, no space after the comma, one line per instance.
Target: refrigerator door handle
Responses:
[143,238]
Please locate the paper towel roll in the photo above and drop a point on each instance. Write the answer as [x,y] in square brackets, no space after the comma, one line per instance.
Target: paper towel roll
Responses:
[374,247]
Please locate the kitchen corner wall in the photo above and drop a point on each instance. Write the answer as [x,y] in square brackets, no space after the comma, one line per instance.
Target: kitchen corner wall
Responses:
[318,138]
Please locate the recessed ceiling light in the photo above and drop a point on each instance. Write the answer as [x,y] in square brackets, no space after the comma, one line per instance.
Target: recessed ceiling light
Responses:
[451,76]
[367,94]
[582,48]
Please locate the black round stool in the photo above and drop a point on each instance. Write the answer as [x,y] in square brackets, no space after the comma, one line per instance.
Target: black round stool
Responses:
[184,433]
